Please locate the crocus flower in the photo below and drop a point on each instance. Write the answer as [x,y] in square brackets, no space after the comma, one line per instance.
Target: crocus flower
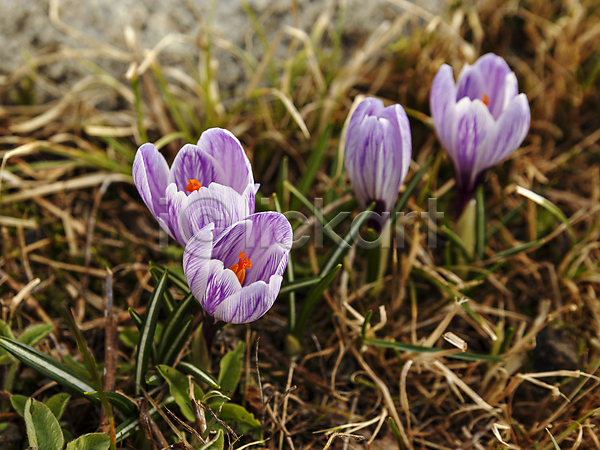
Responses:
[237,276]
[480,120]
[378,152]
[210,182]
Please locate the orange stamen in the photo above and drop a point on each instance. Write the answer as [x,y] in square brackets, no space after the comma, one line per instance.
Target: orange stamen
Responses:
[193,185]
[486,100]
[240,268]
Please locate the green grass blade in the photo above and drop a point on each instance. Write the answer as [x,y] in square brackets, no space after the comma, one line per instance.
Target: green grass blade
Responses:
[147,333]
[314,164]
[410,187]
[549,206]
[401,346]
[289,287]
[311,301]
[517,249]
[349,238]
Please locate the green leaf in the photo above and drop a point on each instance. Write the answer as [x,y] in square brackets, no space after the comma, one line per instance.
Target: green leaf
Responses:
[6,332]
[311,300]
[34,334]
[43,430]
[314,164]
[178,341]
[349,238]
[231,369]
[129,337]
[55,370]
[91,441]
[147,333]
[57,404]
[18,402]
[217,443]
[289,287]
[172,327]
[199,374]
[239,419]
[136,318]
[410,187]
[120,401]
[401,346]
[556,447]
[46,365]
[179,386]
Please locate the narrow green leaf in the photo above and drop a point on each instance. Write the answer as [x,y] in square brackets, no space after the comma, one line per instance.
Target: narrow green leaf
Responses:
[91,441]
[168,138]
[147,333]
[480,223]
[314,164]
[178,341]
[43,430]
[517,249]
[410,187]
[556,447]
[174,278]
[46,365]
[57,404]
[199,374]
[168,302]
[120,401]
[231,369]
[549,206]
[172,327]
[395,432]
[286,288]
[401,346]
[456,240]
[349,238]
[136,318]
[311,301]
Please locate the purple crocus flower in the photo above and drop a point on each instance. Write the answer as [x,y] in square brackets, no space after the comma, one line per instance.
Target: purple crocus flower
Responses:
[480,120]
[210,182]
[378,152]
[237,276]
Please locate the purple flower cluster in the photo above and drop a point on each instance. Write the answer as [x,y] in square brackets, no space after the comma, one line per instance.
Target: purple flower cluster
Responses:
[480,120]
[234,259]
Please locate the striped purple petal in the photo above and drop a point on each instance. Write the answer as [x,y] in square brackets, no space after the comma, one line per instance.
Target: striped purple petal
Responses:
[481,120]
[506,135]
[473,122]
[442,102]
[151,176]
[378,151]
[225,149]
[486,77]
[197,259]
[265,239]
